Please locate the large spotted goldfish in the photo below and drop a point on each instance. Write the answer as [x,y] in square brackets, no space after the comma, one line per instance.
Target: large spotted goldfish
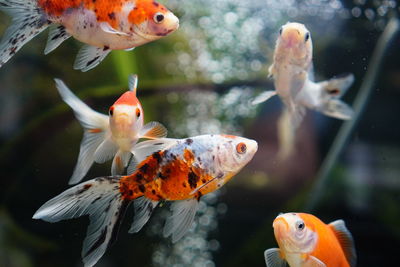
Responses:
[305,241]
[113,136]
[177,170]
[103,25]
[293,76]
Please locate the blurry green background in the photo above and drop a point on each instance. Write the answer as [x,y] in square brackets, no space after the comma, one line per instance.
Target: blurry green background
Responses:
[200,80]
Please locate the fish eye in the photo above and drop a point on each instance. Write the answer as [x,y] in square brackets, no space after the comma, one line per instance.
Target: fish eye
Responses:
[300,225]
[158,17]
[111,111]
[307,37]
[241,148]
[280,31]
[137,112]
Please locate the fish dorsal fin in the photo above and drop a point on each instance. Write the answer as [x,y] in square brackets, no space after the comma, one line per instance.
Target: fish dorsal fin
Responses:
[273,258]
[144,149]
[153,130]
[314,262]
[143,209]
[346,241]
[133,82]
[181,219]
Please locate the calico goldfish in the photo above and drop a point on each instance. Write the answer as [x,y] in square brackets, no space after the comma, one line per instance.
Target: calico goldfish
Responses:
[176,170]
[113,136]
[292,72]
[103,25]
[304,240]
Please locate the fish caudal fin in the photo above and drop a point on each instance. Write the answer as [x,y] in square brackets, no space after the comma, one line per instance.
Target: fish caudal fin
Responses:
[57,35]
[99,198]
[95,126]
[181,219]
[337,109]
[143,209]
[264,96]
[337,87]
[89,57]
[273,258]
[27,21]
[120,162]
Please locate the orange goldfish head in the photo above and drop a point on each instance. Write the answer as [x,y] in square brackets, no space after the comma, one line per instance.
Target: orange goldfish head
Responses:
[294,39]
[294,233]
[126,115]
[233,154]
[151,20]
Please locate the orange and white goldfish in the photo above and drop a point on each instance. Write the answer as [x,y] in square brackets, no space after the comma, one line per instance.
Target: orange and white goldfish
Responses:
[305,241]
[292,72]
[177,170]
[113,136]
[103,25]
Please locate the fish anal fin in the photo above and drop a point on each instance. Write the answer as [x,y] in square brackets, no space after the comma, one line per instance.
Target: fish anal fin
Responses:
[274,258]
[153,130]
[346,240]
[90,56]
[181,219]
[120,162]
[143,209]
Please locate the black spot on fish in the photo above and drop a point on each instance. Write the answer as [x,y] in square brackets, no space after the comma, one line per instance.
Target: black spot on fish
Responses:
[111,15]
[157,156]
[163,177]
[189,141]
[144,168]
[193,179]
[142,188]
[96,199]
[92,61]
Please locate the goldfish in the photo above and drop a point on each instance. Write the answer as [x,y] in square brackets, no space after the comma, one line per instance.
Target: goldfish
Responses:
[292,72]
[177,170]
[102,25]
[113,136]
[304,240]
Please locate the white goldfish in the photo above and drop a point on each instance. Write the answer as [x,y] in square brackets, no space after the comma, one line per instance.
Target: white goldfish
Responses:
[292,73]
[112,136]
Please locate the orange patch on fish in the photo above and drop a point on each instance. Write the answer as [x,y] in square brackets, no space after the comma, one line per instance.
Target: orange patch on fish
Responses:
[95,130]
[144,10]
[228,136]
[128,98]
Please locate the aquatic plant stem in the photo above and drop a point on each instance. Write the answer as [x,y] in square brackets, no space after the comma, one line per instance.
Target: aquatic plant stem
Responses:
[360,103]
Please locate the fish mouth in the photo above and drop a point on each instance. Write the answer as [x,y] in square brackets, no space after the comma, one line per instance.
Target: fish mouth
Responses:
[281,227]
[291,37]
[123,119]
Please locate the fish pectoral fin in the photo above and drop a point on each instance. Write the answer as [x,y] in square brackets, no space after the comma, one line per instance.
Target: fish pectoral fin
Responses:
[105,151]
[271,71]
[264,96]
[346,240]
[273,258]
[90,56]
[129,49]
[143,209]
[312,261]
[57,35]
[153,130]
[336,108]
[338,86]
[120,162]
[202,186]
[181,219]
[106,27]
[95,125]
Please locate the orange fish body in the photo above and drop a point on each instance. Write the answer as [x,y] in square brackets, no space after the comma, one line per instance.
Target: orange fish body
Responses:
[304,240]
[104,25]
[178,170]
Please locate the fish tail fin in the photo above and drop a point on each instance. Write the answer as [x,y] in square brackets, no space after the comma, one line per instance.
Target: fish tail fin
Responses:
[28,20]
[99,198]
[336,87]
[337,109]
[333,90]
[95,125]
